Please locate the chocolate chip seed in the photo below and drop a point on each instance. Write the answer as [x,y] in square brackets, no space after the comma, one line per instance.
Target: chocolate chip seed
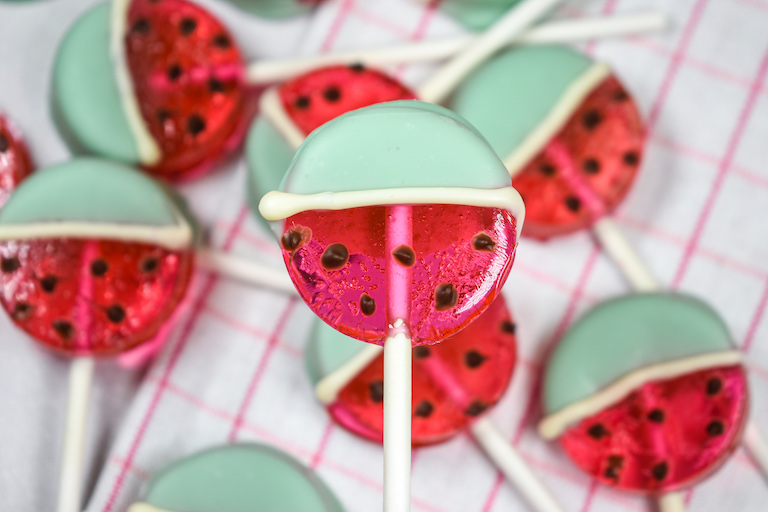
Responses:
[187,26]
[631,158]
[483,242]
[508,327]
[8,265]
[149,265]
[367,305]
[405,255]
[215,86]
[446,297]
[48,283]
[140,27]
[291,240]
[376,391]
[99,268]
[174,72]
[591,166]
[476,408]
[22,311]
[714,385]
[656,416]
[302,102]
[424,409]
[332,94]
[195,124]
[597,431]
[3,143]
[473,359]
[222,41]
[116,313]
[715,428]
[660,471]
[63,328]
[547,169]
[591,119]
[357,67]
[421,352]
[573,203]
[620,96]
[615,463]
[335,256]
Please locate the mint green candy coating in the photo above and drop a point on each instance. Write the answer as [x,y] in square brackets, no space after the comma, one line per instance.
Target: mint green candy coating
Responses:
[626,334]
[239,478]
[477,14]
[328,350]
[268,156]
[507,98]
[274,8]
[400,144]
[86,100]
[89,190]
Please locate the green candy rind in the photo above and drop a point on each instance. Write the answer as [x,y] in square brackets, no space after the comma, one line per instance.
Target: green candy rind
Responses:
[626,334]
[239,478]
[477,14]
[328,350]
[274,9]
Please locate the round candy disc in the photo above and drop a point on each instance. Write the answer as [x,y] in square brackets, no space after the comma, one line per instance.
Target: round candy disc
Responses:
[237,478]
[156,84]
[309,101]
[453,382]
[477,14]
[94,257]
[15,163]
[344,186]
[646,393]
[566,129]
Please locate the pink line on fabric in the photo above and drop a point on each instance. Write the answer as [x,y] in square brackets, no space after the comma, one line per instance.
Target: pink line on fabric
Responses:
[333,33]
[757,319]
[317,457]
[186,331]
[724,167]
[608,8]
[261,368]
[590,498]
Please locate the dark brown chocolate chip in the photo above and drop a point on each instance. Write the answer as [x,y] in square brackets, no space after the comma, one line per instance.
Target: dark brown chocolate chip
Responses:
[631,158]
[660,471]
[22,311]
[715,428]
[612,473]
[140,27]
[424,409]
[474,359]
[335,256]
[508,327]
[656,416]
[446,296]
[63,328]
[620,96]
[163,115]
[591,166]
[573,203]
[376,390]
[48,283]
[405,255]
[187,26]
[547,169]
[99,268]
[149,265]
[291,240]
[195,124]
[302,102]
[8,265]
[174,72]
[476,408]
[483,242]
[421,352]
[714,385]
[332,94]
[116,313]
[615,463]
[591,119]
[3,143]
[357,67]
[367,305]
[597,431]
[222,41]
[215,85]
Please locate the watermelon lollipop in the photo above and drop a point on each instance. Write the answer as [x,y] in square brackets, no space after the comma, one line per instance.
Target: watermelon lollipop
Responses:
[241,477]
[646,393]
[15,162]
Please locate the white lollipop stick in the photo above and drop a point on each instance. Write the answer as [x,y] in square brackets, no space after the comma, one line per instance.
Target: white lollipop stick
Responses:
[71,479]
[329,387]
[244,270]
[514,467]
[562,31]
[624,255]
[511,25]
[672,502]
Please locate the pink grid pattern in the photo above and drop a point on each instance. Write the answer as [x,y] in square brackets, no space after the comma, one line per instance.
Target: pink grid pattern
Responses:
[269,330]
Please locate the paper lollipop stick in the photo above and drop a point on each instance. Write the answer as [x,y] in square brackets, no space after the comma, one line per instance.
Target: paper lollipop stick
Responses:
[550,32]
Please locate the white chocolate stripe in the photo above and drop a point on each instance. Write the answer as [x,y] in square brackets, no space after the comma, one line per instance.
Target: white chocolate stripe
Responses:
[272,109]
[555,424]
[148,149]
[329,387]
[557,117]
[145,507]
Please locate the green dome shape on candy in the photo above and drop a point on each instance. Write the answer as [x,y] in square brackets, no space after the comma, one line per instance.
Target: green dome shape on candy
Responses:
[328,350]
[275,9]
[477,14]
[237,478]
[626,334]
[88,197]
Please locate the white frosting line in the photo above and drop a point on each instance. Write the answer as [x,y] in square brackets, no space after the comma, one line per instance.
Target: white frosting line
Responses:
[277,205]
[272,109]
[177,236]
[329,387]
[145,507]
[557,117]
[149,151]
[555,424]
